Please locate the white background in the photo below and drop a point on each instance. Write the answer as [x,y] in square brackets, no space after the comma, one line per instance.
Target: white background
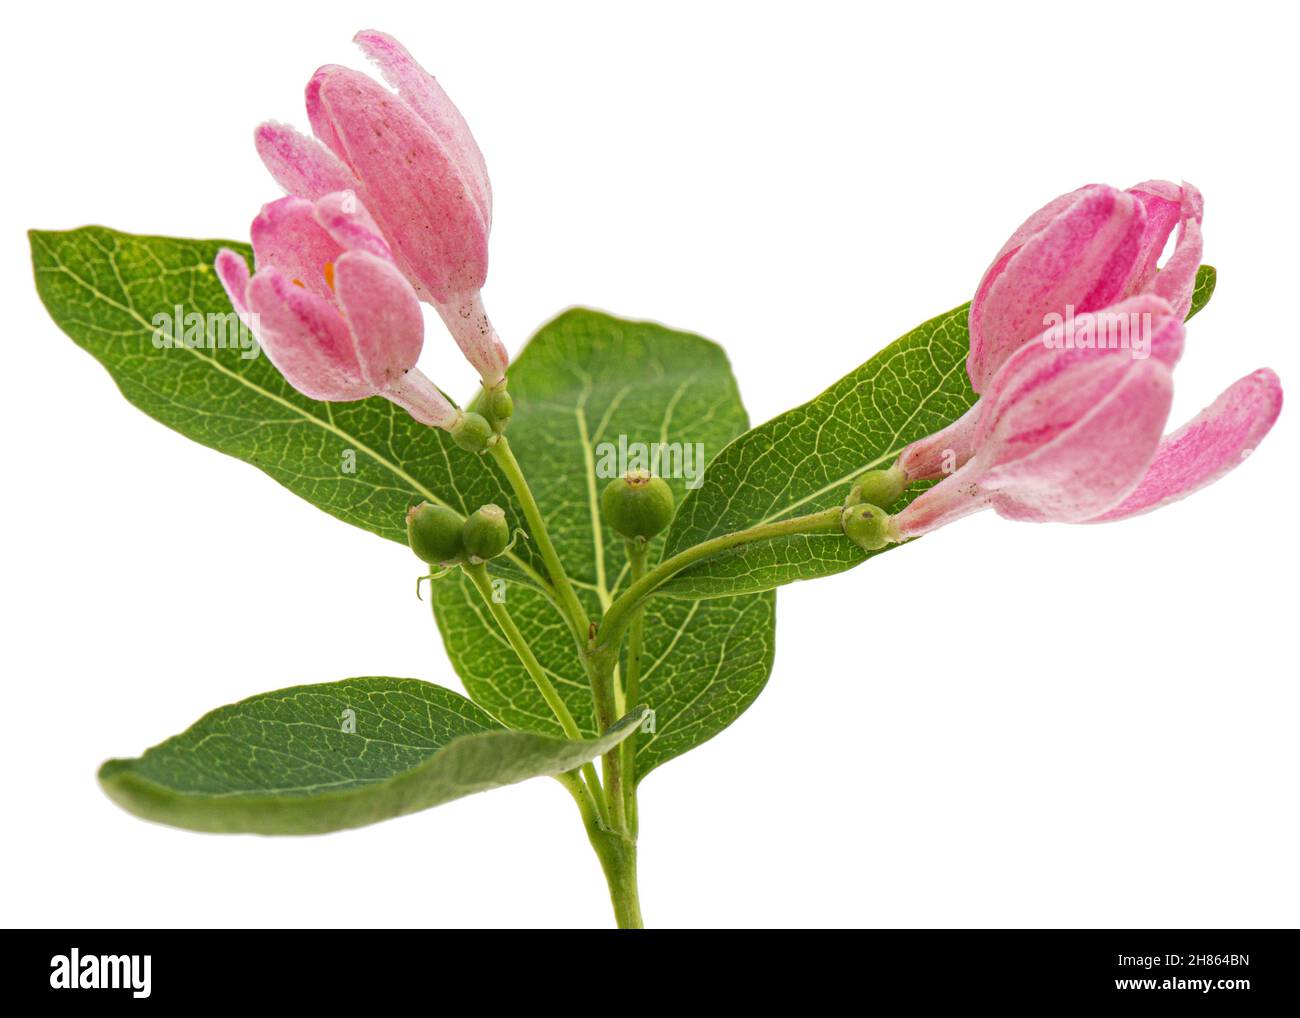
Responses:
[1004,725]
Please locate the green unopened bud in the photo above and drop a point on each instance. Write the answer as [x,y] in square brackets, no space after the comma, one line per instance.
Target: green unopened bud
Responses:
[879,487]
[499,406]
[434,533]
[868,526]
[486,533]
[473,433]
[637,504]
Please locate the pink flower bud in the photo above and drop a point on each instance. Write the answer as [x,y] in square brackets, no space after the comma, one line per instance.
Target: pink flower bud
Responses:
[1069,430]
[411,160]
[329,307]
[1083,251]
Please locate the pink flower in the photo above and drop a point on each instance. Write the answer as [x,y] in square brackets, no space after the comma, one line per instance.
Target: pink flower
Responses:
[1070,431]
[330,308]
[1085,250]
[413,163]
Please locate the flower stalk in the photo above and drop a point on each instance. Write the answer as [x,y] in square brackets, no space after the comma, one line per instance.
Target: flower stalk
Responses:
[478,575]
[570,606]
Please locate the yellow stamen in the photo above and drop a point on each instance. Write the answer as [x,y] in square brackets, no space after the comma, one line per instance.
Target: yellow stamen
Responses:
[329,275]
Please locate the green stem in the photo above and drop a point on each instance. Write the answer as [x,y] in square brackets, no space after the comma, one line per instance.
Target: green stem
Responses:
[637,554]
[612,831]
[611,766]
[602,658]
[570,605]
[624,609]
[588,804]
[617,855]
[478,575]
[602,688]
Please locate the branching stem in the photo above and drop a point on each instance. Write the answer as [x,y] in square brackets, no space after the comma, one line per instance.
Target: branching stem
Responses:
[609,812]
[624,609]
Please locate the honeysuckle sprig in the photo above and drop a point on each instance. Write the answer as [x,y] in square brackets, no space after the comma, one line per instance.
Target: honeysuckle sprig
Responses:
[389,205]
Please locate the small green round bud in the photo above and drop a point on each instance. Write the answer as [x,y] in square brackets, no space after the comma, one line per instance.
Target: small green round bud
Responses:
[500,406]
[434,533]
[473,433]
[486,533]
[868,526]
[880,487]
[637,504]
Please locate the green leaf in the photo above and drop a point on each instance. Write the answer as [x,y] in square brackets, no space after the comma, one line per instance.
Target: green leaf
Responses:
[1207,278]
[362,462]
[583,383]
[805,459]
[312,759]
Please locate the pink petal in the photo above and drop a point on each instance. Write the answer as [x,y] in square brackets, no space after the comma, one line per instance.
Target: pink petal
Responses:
[306,338]
[424,95]
[1177,280]
[232,270]
[957,495]
[316,114]
[343,216]
[1214,442]
[300,165]
[384,316]
[1096,461]
[1082,258]
[286,236]
[1167,333]
[1049,385]
[468,323]
[1062,435]
[413,187]
[1167,205]
[1162,202]
[419,397]
[1035,224]
[944,451]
